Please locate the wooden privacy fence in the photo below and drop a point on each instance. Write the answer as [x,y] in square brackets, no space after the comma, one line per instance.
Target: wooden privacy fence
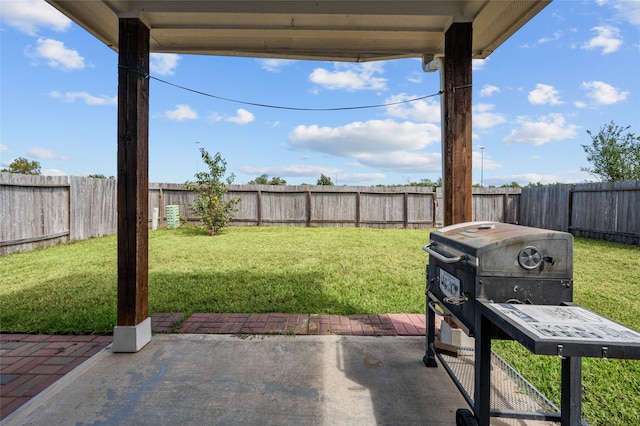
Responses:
[37,211]
[349,206]
[606,210]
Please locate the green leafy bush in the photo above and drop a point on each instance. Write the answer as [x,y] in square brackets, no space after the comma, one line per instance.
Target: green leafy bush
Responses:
[210,206]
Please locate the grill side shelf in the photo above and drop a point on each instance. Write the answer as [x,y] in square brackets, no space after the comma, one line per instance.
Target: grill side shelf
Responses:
[567,330]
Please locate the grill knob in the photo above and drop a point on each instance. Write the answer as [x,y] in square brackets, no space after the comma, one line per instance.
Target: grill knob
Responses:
[530,257]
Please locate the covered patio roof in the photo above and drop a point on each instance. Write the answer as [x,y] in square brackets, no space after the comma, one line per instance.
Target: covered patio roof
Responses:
[346,30]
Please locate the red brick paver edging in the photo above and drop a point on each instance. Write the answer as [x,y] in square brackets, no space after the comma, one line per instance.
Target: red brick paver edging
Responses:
[30,363]
[298,324]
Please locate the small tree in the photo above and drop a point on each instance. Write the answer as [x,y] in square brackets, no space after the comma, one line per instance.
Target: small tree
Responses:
[23,166]
[613,156]
[324,180]
[210,187]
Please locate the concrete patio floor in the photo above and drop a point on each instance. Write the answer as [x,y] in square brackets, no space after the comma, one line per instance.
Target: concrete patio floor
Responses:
[235,369]
[252,380]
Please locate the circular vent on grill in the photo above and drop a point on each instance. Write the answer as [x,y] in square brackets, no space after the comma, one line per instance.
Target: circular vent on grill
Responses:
[530,257]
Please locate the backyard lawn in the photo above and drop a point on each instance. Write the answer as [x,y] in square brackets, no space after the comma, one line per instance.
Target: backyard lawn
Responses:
[72,289]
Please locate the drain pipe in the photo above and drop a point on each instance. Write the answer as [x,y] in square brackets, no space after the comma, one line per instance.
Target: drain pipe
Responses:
[431,64]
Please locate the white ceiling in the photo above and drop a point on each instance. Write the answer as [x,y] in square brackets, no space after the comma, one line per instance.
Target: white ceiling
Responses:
[347,30]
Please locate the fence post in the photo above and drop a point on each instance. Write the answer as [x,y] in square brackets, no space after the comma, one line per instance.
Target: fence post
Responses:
[570,208]
[406,210]
[308,209]
[358,209]
[161,213]
[259,207]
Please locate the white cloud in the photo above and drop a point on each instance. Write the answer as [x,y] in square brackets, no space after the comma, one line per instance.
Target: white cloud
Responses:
[57,55]
[53,172]
[608,39]
[489,90]
[382,144]
[544,94]
[415,78]
[484,118]
[545,179]
[603,93]
[30,15]
[487,163]
[242,117]
[629,11]
[350,77]
[402,161]
[163,63]
[181,113]
[556,36]
[3,148]
[478,64]
[41,153]
[275,65]
[546,129]
[88,98]
[356,178]
[290,171]
[375,136]
[421,110]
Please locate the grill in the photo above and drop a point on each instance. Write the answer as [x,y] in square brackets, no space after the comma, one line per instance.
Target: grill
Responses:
[498,280]
[498,262]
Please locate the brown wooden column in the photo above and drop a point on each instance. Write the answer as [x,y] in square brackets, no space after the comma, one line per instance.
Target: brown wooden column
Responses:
[457,147]
[133,171]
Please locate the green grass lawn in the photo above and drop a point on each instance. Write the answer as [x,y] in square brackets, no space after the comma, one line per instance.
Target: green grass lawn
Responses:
[72,289]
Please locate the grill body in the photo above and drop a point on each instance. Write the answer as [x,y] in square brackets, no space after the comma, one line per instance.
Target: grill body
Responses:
[497,262]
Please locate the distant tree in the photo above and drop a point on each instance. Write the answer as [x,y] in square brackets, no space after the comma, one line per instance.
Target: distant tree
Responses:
[97,176]
[263,179]
[427,182]
[324,180]
[210,188]
[613,156]
[513,184]
[23,166]
[277,181]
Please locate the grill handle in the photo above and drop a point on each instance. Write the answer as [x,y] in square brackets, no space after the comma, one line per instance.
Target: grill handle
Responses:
[442,258]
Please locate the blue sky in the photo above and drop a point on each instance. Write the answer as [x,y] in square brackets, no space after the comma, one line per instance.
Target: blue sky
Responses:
[574,67]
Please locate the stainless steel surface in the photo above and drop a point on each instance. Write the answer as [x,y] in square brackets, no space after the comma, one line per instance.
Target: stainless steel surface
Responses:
[498,262]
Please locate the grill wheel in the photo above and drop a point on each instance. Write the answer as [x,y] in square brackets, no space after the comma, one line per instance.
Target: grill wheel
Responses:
[464,417]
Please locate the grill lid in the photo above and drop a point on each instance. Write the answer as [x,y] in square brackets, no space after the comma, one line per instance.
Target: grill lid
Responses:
[503,249]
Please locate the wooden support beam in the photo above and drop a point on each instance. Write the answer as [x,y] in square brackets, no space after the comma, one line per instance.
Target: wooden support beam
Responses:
[457,147]
[133,172]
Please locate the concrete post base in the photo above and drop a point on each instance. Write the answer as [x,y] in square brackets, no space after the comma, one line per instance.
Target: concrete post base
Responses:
[131,338]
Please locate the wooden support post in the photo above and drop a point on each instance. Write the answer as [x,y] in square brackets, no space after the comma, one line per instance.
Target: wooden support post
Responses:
[133,184]
[457,148]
